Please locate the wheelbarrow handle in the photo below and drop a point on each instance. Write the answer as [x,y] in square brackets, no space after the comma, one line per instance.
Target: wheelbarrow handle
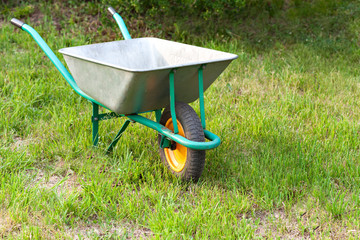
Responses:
[111,10]
[17,22]
[120,22]
[38,39]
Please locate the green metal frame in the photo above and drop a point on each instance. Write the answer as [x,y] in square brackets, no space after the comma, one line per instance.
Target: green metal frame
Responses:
[201,96]
[167,135]
[172,100]
[122,26]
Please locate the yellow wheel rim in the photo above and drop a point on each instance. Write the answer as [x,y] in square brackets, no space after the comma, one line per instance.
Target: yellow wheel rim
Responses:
[177,157]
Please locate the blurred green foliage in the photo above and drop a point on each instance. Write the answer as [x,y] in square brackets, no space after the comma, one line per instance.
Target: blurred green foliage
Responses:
[258,21]
[23,11]
[162,8]
[206,9]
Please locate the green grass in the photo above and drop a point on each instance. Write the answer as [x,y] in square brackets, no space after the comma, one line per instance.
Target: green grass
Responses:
[286,110]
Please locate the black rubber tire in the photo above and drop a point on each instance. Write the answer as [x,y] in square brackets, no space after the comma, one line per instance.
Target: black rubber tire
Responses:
[195,159]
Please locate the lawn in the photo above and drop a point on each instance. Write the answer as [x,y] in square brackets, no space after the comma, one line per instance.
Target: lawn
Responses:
[286,110]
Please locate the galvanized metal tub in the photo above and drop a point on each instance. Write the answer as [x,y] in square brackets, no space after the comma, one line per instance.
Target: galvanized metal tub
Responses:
[132,76]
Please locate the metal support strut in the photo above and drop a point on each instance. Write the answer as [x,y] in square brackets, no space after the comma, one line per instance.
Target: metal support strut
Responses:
[118,136]
[95,124]
[172,101]
[201,96]
[96,117]
[158,115]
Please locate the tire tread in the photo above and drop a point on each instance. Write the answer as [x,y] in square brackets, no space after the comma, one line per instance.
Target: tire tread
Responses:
[193,131]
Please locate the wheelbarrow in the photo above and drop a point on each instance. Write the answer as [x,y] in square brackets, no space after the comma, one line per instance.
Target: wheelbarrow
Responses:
[135,76]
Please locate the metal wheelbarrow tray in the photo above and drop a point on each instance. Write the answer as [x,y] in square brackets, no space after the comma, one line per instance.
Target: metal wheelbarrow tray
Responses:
[134,76]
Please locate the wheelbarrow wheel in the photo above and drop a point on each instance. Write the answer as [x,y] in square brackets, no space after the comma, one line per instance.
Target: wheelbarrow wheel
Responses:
[183,162]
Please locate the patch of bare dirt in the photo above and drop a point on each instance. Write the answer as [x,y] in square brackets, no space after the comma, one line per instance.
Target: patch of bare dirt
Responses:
[89,231]
[7,225]
[277,224]
[301,223]
[4,223]
[61,184]
[36,17]
[20,143]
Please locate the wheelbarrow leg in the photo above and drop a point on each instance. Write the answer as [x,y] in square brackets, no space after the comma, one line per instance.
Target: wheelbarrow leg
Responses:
[158,115]
[172,100]
[118,136]
[201,96]
[95,124]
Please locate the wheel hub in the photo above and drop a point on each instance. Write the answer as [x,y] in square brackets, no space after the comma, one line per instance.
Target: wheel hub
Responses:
[173,145]
[176,154]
